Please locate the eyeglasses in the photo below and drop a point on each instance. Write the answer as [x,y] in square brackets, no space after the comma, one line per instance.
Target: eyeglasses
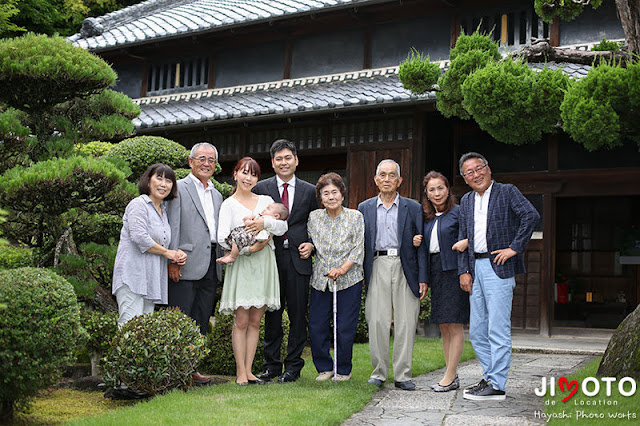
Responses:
[202,159]
[477,170]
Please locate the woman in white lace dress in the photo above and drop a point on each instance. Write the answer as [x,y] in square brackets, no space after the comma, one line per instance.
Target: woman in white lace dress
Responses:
[251,283]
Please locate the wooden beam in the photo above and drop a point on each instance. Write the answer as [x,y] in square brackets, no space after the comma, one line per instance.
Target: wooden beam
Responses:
[554,32]
[548,262]
[366,60]
[288,56]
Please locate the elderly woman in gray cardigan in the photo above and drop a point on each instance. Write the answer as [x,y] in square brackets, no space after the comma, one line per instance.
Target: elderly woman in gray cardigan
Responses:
[140,270]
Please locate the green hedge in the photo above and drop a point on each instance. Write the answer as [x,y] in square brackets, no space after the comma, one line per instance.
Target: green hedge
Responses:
[39,332]
[15,257]
[142,151]
[153,353]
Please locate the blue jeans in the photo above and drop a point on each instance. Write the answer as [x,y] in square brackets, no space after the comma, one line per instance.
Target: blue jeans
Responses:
[320,316]
[490,322]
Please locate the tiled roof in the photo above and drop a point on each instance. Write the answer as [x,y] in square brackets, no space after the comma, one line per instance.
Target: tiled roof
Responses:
[297,96]
[360,89]
[158,19]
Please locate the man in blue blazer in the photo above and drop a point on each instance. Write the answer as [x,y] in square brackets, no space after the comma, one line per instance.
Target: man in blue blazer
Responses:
[394,278]
[294,263]
[498,221]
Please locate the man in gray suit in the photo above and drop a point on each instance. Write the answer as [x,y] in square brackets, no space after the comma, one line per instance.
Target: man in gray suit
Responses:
[193,217]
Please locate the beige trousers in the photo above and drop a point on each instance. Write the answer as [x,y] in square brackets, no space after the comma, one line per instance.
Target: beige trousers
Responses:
[389,296]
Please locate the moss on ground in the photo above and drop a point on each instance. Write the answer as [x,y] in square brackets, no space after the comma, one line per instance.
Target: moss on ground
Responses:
[56,406]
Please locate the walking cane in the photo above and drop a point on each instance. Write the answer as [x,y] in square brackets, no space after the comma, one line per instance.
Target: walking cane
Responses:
[335,331]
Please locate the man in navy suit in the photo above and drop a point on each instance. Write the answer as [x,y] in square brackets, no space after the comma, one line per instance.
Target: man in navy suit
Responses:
[294,263]
[395,280]
[498,221]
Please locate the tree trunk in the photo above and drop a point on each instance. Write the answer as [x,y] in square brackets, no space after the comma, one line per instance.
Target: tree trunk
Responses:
[622,357]
[104,300]
[629,12]
[541,51]
[6,411]
[95,363]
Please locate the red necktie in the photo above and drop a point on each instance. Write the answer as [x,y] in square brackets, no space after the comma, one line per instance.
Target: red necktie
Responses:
[285,194]
[285,201]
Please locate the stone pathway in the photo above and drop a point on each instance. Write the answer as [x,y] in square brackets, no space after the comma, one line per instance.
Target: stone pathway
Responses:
[425,407]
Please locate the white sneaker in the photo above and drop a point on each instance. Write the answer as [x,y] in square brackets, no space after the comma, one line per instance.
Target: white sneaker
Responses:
[324,376]
[342,378]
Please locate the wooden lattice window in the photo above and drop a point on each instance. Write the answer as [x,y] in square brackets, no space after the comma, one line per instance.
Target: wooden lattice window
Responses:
[178,76]
[509,28]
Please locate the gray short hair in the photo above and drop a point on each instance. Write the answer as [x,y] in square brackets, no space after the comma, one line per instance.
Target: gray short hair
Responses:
[388,161]
[196,147]
[469,156]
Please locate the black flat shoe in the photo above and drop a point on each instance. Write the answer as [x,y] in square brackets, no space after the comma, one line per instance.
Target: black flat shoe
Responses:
[257,382]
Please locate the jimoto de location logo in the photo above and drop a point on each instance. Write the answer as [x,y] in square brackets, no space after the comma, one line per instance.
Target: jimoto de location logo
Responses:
[597,390]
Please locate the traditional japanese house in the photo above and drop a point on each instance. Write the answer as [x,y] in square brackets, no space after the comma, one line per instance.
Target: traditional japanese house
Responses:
[324,73]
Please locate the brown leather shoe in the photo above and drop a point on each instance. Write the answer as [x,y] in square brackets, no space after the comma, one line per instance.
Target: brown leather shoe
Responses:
[200,379]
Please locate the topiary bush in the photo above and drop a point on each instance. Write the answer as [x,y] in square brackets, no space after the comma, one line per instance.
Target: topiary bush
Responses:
[15,257]
[93,149]
[417,73]
[39,332]
[142,151]
[155,352]
[49,198]
[470,53]
[601,110]
[221,360]
[513,103]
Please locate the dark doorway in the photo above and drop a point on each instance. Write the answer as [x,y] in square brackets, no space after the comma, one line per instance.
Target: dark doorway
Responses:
[597,256]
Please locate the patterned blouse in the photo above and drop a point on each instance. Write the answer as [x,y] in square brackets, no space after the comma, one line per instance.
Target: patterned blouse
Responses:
[336,241]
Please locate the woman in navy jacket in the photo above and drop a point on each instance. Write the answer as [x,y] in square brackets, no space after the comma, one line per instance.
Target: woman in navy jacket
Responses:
[449,303]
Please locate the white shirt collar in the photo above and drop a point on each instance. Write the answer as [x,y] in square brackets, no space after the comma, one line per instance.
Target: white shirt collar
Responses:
[199,183]
[292,181]
[487,192]
[395,200]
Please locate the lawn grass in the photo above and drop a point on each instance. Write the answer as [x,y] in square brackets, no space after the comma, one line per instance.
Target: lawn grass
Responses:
[303,402]
[627,407]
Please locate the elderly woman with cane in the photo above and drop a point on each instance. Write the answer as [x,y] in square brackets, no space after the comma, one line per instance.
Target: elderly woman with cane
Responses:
[338,238]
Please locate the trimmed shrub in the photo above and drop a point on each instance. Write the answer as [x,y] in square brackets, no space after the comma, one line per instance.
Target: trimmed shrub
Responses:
[93,149]
[513,103]
[142,151]
[15,257]
[55,186]
[155,352]
[220,359]
[39,332]
[38,71]
[601,110]
[417,73]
